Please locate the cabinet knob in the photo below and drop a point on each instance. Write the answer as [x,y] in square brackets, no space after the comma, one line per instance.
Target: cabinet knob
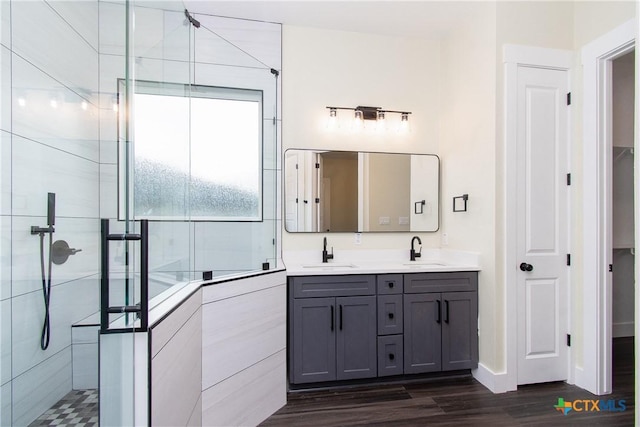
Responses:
[391,284]
[391,356]
[390,315]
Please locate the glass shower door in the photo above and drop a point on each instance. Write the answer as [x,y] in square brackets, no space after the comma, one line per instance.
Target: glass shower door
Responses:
[153,38]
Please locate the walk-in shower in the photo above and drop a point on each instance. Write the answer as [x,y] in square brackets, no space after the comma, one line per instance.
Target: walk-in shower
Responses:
[134,111]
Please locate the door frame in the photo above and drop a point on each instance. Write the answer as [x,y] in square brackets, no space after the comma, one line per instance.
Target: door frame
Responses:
[597,56]
[515,56]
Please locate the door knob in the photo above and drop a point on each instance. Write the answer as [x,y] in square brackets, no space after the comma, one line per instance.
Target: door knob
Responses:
[526,267]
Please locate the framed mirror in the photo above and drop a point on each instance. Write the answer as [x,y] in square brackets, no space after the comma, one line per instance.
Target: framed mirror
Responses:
[350,191]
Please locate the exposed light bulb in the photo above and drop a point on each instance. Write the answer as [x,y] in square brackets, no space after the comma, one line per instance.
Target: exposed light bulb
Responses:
[22,102]
[381,123]
[404,123]
[53,103]
[358,121]
[332,121]
[84,105]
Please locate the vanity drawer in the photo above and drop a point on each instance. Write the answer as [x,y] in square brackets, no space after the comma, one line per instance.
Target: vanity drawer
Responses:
[390,314]
[416,283]
[390,355]
[389,284]
[332,286]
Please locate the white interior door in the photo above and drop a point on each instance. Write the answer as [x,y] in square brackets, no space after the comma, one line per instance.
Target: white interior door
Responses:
[542,224]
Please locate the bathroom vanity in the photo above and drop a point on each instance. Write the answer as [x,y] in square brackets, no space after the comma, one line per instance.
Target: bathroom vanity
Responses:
[371,319]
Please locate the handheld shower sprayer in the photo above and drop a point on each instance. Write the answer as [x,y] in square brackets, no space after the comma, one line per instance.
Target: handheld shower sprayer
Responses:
[46,283]
[51,217]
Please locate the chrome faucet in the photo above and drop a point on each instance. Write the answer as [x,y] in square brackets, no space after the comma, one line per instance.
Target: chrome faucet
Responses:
[413,255]
[325,255]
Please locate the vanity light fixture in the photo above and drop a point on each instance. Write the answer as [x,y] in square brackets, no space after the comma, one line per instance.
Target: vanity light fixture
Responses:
[362,113]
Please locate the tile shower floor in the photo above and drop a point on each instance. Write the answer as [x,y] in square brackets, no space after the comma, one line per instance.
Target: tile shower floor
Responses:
[77,408]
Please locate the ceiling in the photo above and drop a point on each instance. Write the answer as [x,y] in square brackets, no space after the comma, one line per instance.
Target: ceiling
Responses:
[415,19]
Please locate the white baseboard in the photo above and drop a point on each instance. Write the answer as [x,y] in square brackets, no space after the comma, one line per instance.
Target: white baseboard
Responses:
[579,379]
[496,383]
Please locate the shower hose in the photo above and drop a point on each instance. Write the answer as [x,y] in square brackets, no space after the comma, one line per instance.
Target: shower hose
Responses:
[46,291]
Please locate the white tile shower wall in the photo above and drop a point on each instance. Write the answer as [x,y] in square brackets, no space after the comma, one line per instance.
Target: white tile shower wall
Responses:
[38,169]
[65,125]
[39,388]
[85,365]
[45,39]
[5,21]
[5,404]
[70,302]
[108,191]
[5,88]
[5,344]
[48,51]
[5,173]
[79,233]
[81,16]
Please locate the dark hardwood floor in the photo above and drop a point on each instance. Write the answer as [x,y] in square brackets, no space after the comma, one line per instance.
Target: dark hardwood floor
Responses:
[459,401]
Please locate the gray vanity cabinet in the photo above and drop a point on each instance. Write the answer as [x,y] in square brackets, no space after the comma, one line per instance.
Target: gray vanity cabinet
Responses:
[344,327]
[333,337]
[440,328]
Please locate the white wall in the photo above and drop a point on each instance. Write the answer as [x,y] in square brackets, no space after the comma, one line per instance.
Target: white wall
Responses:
[46,149]
[468,153]
[335,68]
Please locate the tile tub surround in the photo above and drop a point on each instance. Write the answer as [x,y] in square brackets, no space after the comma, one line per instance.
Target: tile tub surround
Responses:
[307,262]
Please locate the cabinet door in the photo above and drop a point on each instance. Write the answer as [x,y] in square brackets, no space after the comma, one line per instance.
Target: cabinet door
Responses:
[356,337]
[459,330]
[422,333]
[314,340]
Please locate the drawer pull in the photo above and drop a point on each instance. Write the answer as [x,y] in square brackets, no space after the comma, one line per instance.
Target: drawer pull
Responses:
[446,311]
[391,284]
[391,356]
[390,315]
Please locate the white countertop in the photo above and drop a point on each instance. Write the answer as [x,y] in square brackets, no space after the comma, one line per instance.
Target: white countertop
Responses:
[309,263]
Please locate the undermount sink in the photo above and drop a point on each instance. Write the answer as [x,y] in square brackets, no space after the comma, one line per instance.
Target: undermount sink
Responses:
[328,266]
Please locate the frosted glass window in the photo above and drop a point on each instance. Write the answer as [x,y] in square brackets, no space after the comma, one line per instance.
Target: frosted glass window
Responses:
[198,154]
